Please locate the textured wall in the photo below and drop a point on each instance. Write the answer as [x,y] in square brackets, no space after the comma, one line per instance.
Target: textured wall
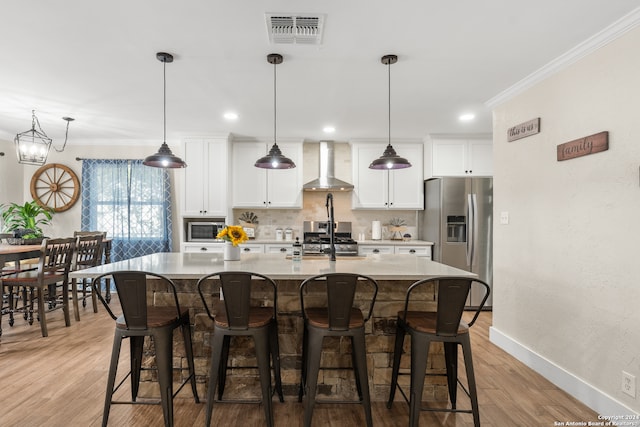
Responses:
[565,268]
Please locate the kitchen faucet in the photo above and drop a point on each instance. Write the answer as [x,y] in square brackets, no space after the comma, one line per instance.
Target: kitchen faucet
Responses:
[331,225]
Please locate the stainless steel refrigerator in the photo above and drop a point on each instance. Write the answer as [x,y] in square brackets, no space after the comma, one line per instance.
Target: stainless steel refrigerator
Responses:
[458,218]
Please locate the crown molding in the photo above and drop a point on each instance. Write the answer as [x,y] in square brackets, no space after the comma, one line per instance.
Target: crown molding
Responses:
[602,38]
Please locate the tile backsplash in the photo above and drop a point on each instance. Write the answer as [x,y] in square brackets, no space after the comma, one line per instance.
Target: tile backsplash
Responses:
[314,210]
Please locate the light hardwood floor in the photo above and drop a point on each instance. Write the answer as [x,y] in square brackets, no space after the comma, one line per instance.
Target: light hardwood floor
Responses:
[60,381]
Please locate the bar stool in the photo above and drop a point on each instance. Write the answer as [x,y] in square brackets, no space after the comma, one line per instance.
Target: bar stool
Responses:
[234,315]
[139,320]
[336,317]
[445,325]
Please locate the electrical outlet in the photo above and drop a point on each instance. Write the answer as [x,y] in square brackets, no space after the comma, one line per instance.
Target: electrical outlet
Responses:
[504,217]
[629,384]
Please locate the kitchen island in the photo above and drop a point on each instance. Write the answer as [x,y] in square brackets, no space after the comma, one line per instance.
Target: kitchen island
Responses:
[394,274]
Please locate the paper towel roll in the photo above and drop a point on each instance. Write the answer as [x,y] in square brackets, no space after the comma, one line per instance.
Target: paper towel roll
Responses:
[376,230]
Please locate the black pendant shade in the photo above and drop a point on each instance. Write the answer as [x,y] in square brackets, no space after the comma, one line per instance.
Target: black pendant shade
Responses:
[275,159]
[389,159]
[164,158]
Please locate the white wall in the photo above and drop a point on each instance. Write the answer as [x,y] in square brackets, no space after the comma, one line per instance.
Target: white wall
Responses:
[566,277]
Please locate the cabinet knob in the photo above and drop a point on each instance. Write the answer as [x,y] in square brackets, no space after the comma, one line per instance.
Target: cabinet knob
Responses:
[390,203]
[283,249]
[203,249]
[246,249]
[264,203]
[376,251]
[412,251]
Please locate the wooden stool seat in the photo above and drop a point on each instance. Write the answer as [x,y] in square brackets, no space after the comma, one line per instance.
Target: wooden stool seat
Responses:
[258,317]
[319,317]
[426,321]
[157,317]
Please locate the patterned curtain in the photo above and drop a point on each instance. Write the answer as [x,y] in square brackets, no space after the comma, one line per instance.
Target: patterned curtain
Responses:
[131,202]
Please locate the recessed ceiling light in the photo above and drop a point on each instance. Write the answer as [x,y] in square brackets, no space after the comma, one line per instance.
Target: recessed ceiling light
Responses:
[329,129]
[467,117]
[231,116]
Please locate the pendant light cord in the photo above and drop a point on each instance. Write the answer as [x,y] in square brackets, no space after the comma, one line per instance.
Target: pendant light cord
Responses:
[389,99]
[274,103]
[164,100]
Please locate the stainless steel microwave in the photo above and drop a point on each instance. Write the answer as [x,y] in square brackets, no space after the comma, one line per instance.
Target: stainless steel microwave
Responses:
[203,231]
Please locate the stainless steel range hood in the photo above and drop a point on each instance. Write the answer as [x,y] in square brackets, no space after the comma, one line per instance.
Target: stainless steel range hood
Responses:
[327,181]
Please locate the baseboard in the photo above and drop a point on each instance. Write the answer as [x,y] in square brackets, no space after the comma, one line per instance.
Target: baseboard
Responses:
[584,392]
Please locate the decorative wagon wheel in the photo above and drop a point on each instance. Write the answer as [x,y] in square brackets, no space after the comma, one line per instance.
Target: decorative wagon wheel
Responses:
[55,186]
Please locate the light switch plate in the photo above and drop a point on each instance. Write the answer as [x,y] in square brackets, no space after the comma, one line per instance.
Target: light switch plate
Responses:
[504,218]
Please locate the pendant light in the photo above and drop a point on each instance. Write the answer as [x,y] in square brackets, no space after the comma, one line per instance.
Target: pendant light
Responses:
[32,146]
[164,158]
[389,159]
[275,159]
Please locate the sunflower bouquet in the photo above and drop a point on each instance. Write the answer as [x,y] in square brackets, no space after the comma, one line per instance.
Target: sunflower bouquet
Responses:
[234,234]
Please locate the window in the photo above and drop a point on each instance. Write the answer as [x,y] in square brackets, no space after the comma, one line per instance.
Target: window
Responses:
[131,202]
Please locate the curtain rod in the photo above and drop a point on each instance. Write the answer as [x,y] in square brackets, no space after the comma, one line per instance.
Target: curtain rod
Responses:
[83,158]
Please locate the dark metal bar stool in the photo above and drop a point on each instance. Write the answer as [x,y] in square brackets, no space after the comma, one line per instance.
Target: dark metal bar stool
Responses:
[445,325]
[336,317]
[139,320]
[233,314]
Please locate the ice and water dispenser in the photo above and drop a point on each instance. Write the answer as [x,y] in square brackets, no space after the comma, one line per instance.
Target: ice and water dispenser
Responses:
[456,228]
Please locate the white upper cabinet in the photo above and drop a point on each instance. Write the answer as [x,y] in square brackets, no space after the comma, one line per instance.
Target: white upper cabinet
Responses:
[266,188]
[382,189]
[459,157]
[205,177]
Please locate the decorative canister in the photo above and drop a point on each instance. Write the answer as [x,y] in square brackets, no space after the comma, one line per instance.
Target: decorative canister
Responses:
[231,253]
[279,234]
[288,234]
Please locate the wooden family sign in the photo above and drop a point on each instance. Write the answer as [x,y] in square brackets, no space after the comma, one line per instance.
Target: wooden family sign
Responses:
[523,130]
[584,146]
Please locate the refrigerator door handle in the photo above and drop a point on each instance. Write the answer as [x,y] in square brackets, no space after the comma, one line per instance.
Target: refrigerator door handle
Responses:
[474,229]
[470,215]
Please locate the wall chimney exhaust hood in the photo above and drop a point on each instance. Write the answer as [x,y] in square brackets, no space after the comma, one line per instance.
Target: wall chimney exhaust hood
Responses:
[327,181]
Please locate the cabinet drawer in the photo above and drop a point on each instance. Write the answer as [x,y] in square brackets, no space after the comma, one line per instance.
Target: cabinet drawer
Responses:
[217,248]
[285,249]
[414,250]
[254,248]
[374,249]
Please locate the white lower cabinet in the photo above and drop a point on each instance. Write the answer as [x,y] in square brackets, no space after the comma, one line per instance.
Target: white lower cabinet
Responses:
[417,250]
[424,251]
[212,248]
[375,249]
[279,248]
[251,248]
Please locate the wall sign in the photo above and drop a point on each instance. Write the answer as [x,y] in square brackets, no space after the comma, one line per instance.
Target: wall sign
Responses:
[524,129]
[584,146]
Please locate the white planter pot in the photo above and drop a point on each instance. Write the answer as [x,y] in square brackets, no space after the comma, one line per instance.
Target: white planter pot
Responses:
[231,253]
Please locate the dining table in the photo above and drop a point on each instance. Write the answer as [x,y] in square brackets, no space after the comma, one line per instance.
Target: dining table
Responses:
[17,253]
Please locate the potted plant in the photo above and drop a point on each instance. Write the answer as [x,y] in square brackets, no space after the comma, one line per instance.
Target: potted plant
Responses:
[25,221]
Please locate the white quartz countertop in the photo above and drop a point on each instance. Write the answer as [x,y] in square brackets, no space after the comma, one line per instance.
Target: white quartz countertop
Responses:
[181,265]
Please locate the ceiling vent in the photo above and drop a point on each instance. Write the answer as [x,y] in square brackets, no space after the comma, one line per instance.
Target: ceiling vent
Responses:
[295,29]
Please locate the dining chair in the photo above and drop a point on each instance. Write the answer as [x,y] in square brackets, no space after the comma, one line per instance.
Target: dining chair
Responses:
[442,324]
[334,314]
[140,319]
[88,254]
[42,283]
[245,305]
